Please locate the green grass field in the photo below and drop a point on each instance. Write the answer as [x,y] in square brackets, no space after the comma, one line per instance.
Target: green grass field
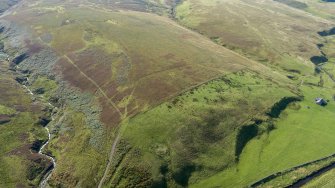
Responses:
[297,139]
[197,129]
[296,130]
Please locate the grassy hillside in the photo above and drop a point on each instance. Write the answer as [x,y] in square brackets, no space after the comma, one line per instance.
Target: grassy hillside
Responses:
[280,44]
[143,101]
[241,26]
[109,60]
[160,7]
[295,140]
[324,8]
[196,134]
[20,133]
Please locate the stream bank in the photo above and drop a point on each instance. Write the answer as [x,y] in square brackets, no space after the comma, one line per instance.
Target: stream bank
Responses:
[47,176]
[44,122]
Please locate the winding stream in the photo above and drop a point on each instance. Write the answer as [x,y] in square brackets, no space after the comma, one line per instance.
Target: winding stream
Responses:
[47,176]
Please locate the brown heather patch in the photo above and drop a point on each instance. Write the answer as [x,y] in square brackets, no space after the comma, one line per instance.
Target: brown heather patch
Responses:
[24,136]
[73,76]
[66,178]
[154,90]
[63,139]
[33,47]
[35,107]
[154,82]
[133,108]
[238,41]
[36,157]
[5,116]
[109,115]
[20,185]
[20,108]
[119,96]
[139,70]
[110,89]
[99,71]
[152,85]
[143,67]
[23,150]
[199,75]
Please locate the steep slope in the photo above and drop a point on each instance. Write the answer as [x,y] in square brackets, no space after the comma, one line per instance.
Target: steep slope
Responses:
[323,8]
[145,102]
[154,6]
[21,133]
[289,39]
[110,65]
[284,34]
